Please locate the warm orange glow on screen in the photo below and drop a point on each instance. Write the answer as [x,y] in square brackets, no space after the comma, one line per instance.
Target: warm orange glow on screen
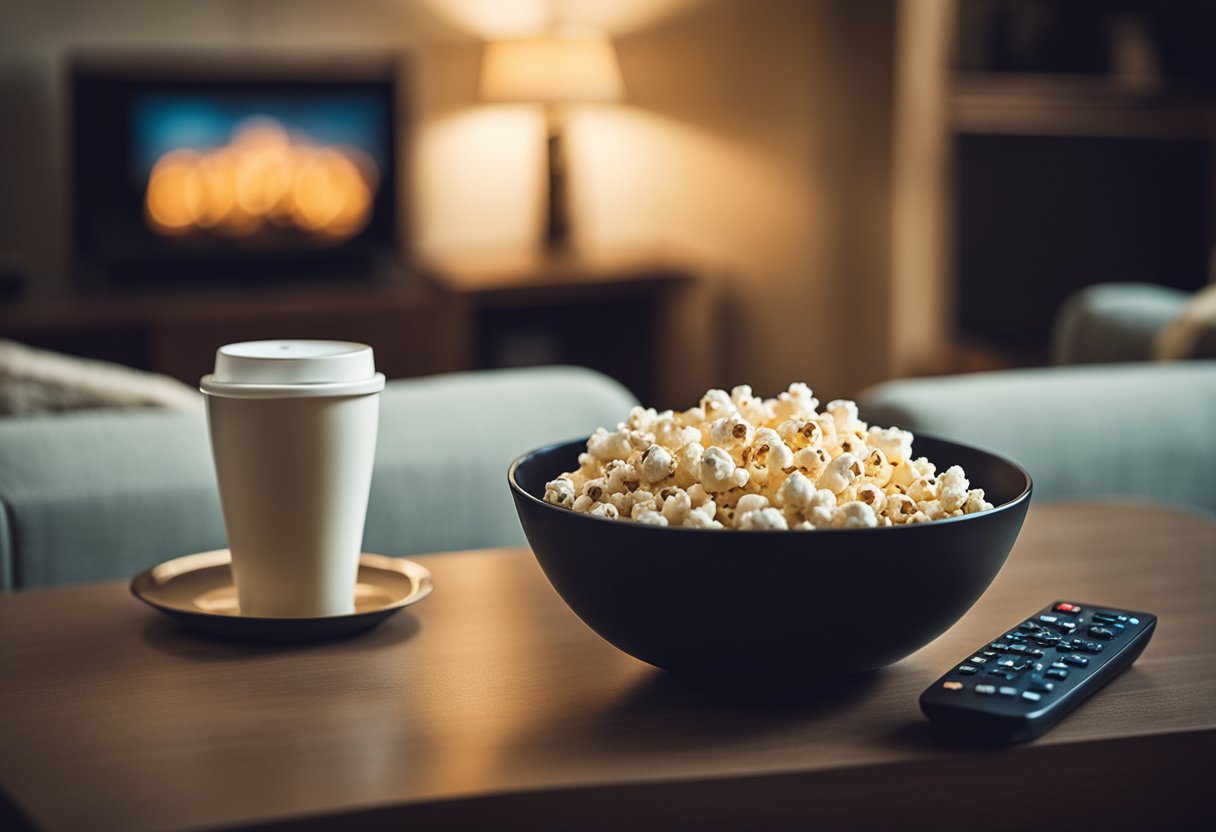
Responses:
[263,178]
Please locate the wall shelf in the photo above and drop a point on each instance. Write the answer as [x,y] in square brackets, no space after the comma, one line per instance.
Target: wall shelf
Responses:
[1076,105]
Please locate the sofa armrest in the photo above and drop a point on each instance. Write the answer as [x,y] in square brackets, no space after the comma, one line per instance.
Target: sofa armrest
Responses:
[1141,431]
[94,494]
[1113,322]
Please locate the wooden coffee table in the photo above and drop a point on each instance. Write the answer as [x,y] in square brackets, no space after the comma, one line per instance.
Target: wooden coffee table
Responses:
[489,705]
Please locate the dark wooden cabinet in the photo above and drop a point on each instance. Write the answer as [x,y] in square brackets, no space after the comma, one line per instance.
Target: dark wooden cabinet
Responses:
[645,319]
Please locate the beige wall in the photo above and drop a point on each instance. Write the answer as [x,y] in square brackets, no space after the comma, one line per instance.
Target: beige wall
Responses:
[756,133]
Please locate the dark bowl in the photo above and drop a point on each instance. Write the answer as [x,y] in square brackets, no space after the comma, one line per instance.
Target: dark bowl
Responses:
[808,604]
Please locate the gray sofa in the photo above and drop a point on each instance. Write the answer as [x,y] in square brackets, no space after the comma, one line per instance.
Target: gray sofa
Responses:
[103,494]
[1111,423]
[100,494]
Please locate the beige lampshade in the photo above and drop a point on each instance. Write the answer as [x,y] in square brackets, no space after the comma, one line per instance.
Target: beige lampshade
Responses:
[558,69]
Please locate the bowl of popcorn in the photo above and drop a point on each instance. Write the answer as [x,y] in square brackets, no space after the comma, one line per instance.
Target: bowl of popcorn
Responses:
[752,535]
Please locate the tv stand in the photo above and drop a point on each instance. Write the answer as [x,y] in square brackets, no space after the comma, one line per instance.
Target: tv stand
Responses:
[176,332]
[462,312]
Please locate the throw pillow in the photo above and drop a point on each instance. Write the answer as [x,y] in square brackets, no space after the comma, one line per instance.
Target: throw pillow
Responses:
[40,381]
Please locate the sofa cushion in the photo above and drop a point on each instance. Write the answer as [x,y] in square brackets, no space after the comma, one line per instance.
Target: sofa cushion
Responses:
[103,494]
[1141,431]
[446,442]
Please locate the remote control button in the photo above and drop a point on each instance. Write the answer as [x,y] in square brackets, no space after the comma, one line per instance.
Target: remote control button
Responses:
[952,685]
[968,670]
[1030,696]
[992,654]
[1076,661]
[1018,648]
[1103,618]
[1087,646]
[1046,638]
[1064,646]
[1064,625]
[1101,632]
[1000,645]
[1011,664]
[1003,673]
[1133,621]
[1064,606]
[1037,682]
[1035,654]
[1060,673]
[977,660]
[985,690]
[1016,638]
[1006,690]
[1059,666]
[1115,614]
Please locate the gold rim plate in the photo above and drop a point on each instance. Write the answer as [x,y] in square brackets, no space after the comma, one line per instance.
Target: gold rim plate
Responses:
[198,591]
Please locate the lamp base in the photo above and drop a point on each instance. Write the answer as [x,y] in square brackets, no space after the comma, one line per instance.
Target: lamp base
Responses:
[557,225]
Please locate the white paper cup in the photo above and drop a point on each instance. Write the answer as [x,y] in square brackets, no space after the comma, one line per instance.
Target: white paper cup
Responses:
[293,434]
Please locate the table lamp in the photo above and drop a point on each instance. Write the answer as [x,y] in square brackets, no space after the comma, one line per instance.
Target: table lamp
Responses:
[553,70]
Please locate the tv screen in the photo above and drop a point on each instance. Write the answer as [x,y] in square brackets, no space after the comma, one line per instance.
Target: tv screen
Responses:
[241,172]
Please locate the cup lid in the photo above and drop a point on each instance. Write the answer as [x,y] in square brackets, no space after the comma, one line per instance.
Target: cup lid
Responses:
[261,369]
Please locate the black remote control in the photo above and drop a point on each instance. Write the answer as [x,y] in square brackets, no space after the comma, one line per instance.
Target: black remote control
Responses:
[1020,684]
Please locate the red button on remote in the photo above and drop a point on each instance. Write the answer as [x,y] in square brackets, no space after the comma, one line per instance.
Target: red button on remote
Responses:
[1073,608]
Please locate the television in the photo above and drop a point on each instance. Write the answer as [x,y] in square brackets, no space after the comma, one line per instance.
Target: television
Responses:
[233,169]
